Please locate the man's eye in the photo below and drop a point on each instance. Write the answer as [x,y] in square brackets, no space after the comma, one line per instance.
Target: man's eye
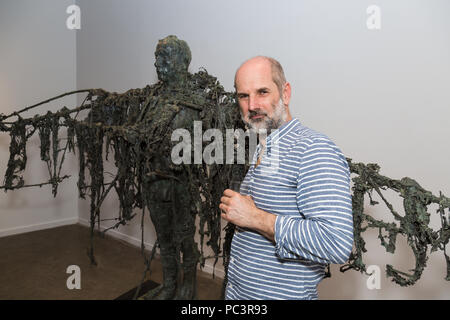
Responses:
[242,96]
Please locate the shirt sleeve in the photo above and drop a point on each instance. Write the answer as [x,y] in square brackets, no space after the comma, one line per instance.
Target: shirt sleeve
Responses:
[323,230]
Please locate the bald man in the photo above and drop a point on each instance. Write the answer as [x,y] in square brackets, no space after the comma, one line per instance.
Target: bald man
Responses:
[293,214]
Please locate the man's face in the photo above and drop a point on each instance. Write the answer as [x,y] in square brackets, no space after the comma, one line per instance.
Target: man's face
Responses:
[259,99]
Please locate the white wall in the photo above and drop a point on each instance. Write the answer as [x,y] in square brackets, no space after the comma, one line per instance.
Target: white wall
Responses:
[382,95]
[37,61]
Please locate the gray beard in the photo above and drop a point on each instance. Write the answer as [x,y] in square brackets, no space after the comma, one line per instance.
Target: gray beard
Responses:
[266,125]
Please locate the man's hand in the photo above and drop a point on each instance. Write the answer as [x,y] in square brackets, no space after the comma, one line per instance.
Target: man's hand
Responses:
[242,211]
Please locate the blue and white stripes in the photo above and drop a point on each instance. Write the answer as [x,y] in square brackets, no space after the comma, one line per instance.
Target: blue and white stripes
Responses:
[304,179]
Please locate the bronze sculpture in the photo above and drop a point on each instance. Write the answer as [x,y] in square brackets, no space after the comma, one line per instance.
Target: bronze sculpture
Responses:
[167,186]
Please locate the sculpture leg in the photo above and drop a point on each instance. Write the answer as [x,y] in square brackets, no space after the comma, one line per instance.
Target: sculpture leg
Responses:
[185,232]
[188,289]
[162,218]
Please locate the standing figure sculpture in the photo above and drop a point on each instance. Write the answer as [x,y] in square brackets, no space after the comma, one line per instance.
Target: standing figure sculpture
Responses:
[168,195]
[170,187]
[174,192]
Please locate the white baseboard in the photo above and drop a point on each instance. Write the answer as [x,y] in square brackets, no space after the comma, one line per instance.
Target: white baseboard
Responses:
[37,227]
[119,235]
[208,268]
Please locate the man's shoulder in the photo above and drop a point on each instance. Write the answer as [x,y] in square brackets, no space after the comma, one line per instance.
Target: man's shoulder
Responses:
[305,140]
[305,137]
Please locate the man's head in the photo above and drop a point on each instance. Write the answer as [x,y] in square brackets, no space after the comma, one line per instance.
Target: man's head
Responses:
[173,57]
[263,93]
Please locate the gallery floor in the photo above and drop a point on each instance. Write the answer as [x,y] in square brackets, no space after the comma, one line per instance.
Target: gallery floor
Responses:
[33,266]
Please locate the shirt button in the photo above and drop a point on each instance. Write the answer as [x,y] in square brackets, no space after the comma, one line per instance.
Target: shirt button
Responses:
[230,286]
[232,259]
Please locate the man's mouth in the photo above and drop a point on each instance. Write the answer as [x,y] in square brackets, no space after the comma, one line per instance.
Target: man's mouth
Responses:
[257,116]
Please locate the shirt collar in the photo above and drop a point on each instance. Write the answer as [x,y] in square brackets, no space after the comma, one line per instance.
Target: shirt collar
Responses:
[279,133]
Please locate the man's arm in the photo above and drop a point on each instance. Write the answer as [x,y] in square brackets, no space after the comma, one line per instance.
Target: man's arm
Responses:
[324,232]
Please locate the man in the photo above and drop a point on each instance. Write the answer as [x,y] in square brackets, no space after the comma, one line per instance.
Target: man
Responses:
[294,211]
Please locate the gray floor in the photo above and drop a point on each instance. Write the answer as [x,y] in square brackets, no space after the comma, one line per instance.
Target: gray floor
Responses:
[33,266]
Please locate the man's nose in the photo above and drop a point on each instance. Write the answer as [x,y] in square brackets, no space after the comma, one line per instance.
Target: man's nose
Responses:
[252,103]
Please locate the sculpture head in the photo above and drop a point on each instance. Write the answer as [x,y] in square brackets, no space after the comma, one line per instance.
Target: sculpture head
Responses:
[173,57]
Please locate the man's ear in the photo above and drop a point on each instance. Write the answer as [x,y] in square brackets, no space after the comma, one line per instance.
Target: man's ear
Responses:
[286,94]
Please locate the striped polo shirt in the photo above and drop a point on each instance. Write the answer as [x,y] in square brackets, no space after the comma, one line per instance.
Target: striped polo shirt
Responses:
[304,179]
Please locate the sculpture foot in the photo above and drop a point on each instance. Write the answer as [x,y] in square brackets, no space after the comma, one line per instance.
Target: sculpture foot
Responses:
[161,292]
[186,293]
[188,290]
